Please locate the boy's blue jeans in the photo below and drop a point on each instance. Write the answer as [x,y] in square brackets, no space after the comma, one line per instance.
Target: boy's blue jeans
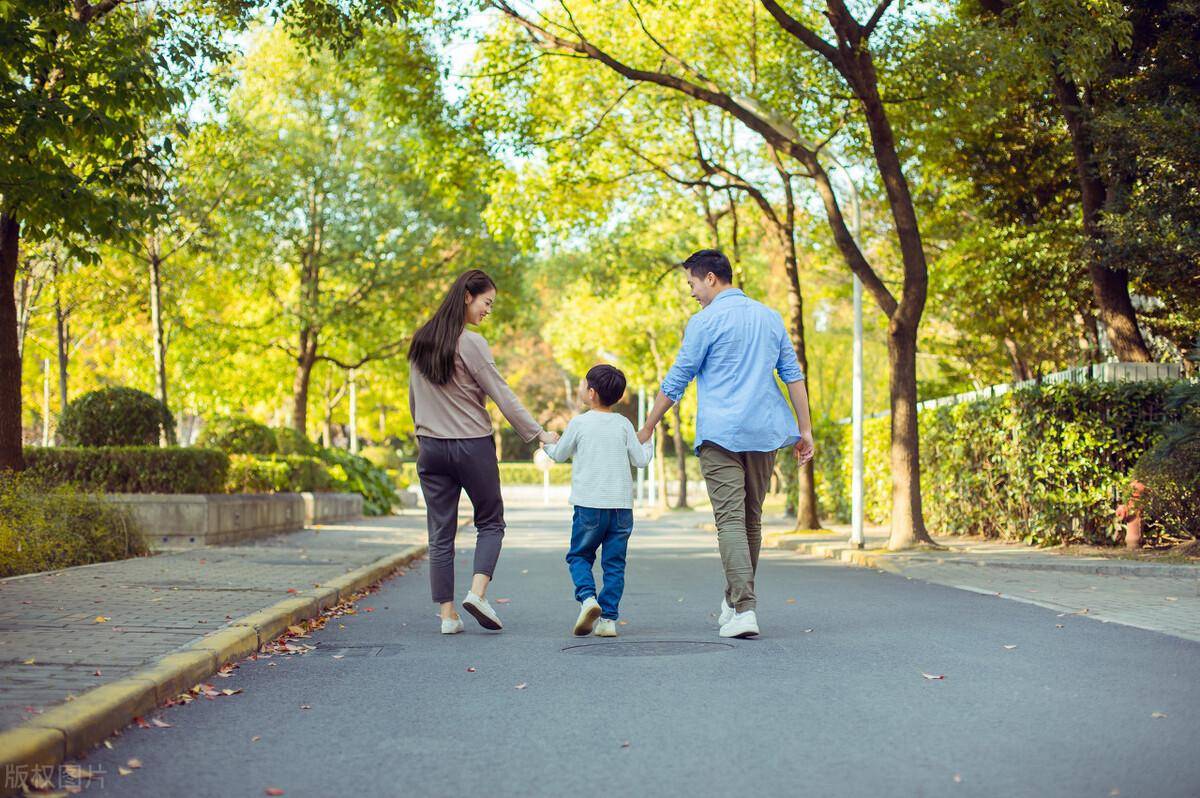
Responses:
[591,529]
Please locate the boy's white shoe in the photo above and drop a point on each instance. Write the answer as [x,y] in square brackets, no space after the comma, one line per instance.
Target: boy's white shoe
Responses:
[589,611]
[727,612]
[606,627]
[743,624]
[482,612]
[451,626]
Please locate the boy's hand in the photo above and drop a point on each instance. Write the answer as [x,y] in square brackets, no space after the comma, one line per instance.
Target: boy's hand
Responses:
[546,436]
[804,448]
[644,434]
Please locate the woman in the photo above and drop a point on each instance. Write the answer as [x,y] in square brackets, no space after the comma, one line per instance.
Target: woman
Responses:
[452,373]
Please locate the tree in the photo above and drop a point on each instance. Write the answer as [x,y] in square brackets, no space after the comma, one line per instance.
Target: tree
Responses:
[850,58]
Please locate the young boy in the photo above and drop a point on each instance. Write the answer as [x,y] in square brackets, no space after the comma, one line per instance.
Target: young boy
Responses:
[604,445]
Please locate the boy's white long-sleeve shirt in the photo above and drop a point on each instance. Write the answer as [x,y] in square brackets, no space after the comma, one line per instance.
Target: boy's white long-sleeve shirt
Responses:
[602,447]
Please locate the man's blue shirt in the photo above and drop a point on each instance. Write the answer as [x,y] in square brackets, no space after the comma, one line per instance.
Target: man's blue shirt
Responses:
[733,348]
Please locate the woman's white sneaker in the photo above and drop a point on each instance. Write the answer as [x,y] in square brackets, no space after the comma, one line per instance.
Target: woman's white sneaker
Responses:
[588,613]
[451,626]
[743,624]
[482,611]
[606,627]
[727,612]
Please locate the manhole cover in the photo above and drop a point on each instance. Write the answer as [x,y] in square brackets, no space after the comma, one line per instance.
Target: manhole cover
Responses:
[359,650]
[647,648]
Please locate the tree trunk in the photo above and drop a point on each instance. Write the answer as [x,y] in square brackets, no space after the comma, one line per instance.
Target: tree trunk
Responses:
[1020,369]
[62,341]
[10,359]
[305,360]
[908,524]
[156,321]
[681,459]
[1110,287]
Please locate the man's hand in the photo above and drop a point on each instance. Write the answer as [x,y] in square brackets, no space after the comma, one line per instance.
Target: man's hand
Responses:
[546,436]
[644,434]
[804,448]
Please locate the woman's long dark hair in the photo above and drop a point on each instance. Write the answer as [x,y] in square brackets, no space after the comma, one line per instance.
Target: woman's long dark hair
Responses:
[433,346]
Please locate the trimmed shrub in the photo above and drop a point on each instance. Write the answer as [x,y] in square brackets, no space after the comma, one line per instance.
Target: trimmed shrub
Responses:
[521,473]
[1170,471]
[290,441]
[238,435]
[44,527]
[355,474]
[116,417]
[131,469]
[292,473]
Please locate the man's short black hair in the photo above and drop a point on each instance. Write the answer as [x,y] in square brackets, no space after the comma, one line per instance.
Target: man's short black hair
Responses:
[608,382]
[709,261]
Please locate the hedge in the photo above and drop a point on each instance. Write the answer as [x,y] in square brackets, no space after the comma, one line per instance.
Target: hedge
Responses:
[1043,464]
[238,435]
[292,473]
[131,469]
[510,474]
[354,473]
[45,527]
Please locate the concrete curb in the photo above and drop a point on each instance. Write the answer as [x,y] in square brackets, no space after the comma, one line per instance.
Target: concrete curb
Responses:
[892,560]
[71,728]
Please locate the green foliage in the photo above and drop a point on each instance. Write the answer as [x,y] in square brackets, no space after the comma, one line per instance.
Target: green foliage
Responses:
[131,469]
[115,417]
[238,435]
[291,473]
[518,473]
[47,526]
[382,457]
[1170,472]
[290,441]
[356,474]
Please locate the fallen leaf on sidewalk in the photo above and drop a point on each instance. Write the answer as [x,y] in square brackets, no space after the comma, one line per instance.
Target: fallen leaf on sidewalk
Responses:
[102,619]
[1158,714]
[1009,648]
[134,763]
[522,686]
[933,676]
[29,661]
[1172,598]
[292,590]
[97,672]
[30,602]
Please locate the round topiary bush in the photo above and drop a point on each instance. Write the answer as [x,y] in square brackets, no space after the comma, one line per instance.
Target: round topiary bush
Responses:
[290,441]
[238,435]
[116,417]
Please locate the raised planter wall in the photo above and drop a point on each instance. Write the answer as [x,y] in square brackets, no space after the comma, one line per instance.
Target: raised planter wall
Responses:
[202,519]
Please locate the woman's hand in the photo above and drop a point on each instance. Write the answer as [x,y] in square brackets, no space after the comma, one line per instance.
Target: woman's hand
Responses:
[546,436]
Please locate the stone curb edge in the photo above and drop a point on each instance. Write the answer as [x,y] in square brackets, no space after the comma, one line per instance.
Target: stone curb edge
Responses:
[891,561]
[69,729]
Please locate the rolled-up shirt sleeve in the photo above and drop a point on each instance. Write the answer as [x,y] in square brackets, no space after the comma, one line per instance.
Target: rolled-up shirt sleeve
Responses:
[687,361]
[477,357]
[787,366]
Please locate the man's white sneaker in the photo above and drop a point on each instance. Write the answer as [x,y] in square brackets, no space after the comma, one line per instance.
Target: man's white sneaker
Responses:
[606,627]
[727,612]
[482,612]
[451,626]
[588,613]
[743,624]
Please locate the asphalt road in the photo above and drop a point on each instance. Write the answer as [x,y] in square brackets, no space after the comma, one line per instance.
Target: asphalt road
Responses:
[830,701]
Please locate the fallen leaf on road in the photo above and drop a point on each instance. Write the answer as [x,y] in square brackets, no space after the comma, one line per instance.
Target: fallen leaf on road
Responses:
[292,590]
[141,722]
[97,672]
[791,601]
[124,771]
[622,623]
[306,706]
[522,572]
[102,619]
[29,661]
[231,692]
[806,631]
[134,763]
[338,656]
[256,738]
[1009,648]
[522,686]
[108,744]
[933,676]
[370,609]
[160,723]
[470,670]
[1058,626]
[625,744]
[273,791]
[77,772]
[1158,714]
[30,602]
[957,778]
[1172,598]
[504,601]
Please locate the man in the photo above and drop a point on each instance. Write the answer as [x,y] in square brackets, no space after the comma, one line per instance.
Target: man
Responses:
[734,347]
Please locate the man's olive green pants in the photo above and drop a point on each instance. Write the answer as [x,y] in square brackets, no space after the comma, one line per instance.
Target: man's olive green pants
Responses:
[737,483]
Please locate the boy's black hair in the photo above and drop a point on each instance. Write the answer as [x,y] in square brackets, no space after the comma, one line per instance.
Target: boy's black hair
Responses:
[608,382]
[709,261]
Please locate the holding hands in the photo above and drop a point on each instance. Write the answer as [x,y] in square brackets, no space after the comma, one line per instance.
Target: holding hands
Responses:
[804,448]
[546,436]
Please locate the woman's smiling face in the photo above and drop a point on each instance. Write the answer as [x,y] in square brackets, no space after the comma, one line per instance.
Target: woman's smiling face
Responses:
[479,305]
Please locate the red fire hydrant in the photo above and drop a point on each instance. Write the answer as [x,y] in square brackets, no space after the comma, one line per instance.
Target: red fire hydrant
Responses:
[1129,513]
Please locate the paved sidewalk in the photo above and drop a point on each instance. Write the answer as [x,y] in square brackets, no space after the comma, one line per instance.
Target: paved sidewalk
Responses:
[65,632]
[1159,597]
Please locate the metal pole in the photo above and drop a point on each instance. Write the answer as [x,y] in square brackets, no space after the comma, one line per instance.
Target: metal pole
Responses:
[641,472]
[353,412]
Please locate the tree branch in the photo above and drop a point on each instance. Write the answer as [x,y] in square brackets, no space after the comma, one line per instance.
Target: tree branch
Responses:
[880,10]
[806,35]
